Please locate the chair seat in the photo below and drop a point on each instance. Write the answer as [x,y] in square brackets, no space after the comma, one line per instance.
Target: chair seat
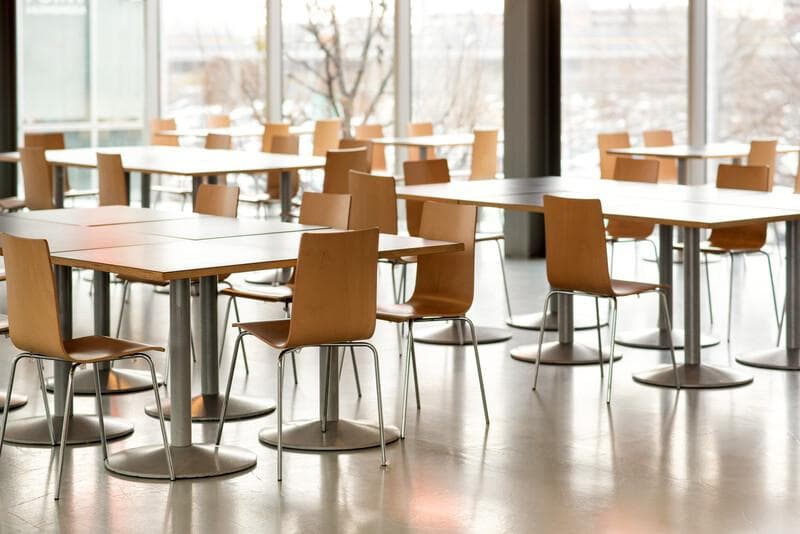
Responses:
[488,236]
[91,349]
[623,288]
[75,193]
[419,309]
[282,293]
[707,248]
[12,203]
[273,333]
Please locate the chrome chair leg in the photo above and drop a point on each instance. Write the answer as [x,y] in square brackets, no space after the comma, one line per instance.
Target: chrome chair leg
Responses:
[541,340]
[611,259]
[280,414]
[478,365]
[167,449]
[380,402]
[224,410]
[663,297]
[730,299]
[7,407]
[780,324]
[64,431]
[414,369]
[355,370]
[224,330]
[611,352]
[125,289]
[98,397]
[708,290]
[244,350]
[655,248]
[505,279]
[43,389]
[772,283]
[599,335]
[406,376]
[326,389]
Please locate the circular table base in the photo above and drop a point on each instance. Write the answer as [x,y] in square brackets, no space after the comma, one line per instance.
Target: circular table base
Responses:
[557,353]
[341,435]
[697,376]
[17,401]
[112,381]
[83,429]
[656,338]
[779,358]
[207,408]
[533,321]
[194,461]
[450,335]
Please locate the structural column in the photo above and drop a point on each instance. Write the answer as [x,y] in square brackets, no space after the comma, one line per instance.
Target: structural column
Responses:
[8,95]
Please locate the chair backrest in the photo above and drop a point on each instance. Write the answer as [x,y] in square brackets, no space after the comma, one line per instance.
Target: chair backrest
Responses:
[48,141]
[606,141]
[575,245]
[272,129]
[374,202]
[359,143]
[325,209]
[667,167]
[220,200]
[373,131]
[33,318]
[416,129]
[750,178]
[335,288]
[218,121]
[160,125]
[429,171]
[218,141]
[112,182]
[484,155]
[326,136]
[633,170]
[764,152]
[283,144]
[37,179]
[448,277]
[338,164]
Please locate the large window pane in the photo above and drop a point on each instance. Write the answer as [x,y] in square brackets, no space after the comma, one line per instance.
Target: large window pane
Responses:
[623,69]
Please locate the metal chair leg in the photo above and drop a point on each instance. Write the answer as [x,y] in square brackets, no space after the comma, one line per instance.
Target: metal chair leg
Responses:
[380,402]
[224,330]
[772,283]
[730,299]
[663,297]
[599,335]
[708,290]
[478,365]
[125,289]
[294,371]
[655,249]
[98,397]
[7,407]
[64,431]
[414,369]
[611,351]
[43,389]
[505,280]
[280,415]
[355,370]
[167,448]
[541,340]
[244,350]
[326,389]
[224,411]
[406,376]
[611,259]
[780,324]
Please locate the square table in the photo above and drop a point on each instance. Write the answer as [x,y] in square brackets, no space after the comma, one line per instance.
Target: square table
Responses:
[424,142]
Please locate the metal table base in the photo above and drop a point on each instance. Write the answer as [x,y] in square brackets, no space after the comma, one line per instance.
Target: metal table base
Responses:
[341,435]
[17,401]
[207,408]
[657,338]
[112,381]
[779,358]
[457,334]
[83,429]
[193,461]
[558,353]
[584,318]
[694,376]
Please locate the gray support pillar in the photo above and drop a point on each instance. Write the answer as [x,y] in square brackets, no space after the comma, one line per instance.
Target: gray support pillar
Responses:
[698,86]
[532,117]
[274,61]
[8,95]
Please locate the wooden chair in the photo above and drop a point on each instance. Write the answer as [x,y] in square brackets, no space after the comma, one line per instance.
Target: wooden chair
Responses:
[326,136]
[359,143]
[444,286]
[606,141]
[317,209]
[36,178]
[740,240]
[272,129]
[667,167]
[577,264]
[369,132]
[280,144]
[161,125]
[764,152]
[34,327]
[338,164]
[218,121]
[623,230]
[55,141]
[416,129]
[484,155]
[112,181]
[332,268]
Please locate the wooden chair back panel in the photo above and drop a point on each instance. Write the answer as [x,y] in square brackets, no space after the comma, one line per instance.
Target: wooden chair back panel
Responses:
[373,202]
[484,155]
[369,132]
[667,167]
[335,288]
[220,200]
[111,177]
[33,319]
[338,164]
[36,178]
[325,209]
[764,152]
[448,277]
[749,178]
[326,136]
[160,125]
[49,141]
[633,170]
[416,129]
[359,143]
[271,130]
[575,245]
[429,171]
[283,144]
[606,141]
[218,121]
[218,141]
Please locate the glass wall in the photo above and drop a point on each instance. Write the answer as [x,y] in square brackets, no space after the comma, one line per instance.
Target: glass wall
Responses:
[623,69]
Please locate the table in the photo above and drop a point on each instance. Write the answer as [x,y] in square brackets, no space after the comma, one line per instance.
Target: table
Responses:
[180,161]
[178,262]
[692,215]
[253,130]
[424,142]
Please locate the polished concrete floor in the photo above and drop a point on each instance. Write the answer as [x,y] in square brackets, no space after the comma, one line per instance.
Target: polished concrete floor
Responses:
[554,460]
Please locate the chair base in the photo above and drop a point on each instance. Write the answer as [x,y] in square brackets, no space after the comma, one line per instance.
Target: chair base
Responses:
[557,353]
[83,430]
[454,334]
[780,358]
[17,401]
[207,408]
[657,339]
[533,321]
[112,381]
[194,461]
[341,435]
[694,376]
